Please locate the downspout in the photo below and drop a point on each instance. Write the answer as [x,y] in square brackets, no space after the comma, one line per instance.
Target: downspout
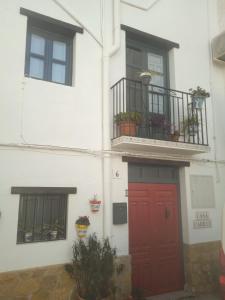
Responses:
[116,28]
[106,138]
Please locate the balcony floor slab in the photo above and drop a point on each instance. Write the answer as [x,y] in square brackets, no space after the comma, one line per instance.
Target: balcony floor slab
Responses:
[128,143]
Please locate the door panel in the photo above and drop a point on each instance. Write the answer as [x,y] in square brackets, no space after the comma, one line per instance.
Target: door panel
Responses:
[154,238]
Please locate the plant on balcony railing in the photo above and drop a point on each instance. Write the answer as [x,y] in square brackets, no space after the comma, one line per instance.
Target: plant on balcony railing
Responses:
[146,76]
[198,97]
[127,122]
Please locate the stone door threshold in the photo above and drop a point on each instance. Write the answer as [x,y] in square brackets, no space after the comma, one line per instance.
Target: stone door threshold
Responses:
[179,295]
[183,295]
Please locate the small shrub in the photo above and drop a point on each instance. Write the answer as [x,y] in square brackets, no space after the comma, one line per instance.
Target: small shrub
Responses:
[93,268]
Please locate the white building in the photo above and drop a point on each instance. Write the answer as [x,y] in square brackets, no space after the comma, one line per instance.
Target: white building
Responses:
[67,69]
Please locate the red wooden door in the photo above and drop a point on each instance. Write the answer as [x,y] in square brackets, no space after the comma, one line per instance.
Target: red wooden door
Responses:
[154,238]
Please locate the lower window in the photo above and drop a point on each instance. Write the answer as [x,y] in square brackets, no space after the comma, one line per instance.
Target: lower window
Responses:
[42,217]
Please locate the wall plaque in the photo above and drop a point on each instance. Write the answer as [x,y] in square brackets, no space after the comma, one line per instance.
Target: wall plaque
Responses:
[202,220]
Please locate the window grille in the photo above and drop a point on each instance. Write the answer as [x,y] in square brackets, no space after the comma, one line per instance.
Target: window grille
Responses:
[42,217]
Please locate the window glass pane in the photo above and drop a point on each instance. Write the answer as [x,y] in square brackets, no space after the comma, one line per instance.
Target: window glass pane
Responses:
[157,79]
[155,62]
[37,44]
[36,68]
[58,73]
[59,50]
[134,57]
[156,104]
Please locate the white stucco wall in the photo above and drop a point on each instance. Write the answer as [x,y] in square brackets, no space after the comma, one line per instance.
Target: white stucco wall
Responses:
[45,113]
[192,24]
[56,114]
[43,168]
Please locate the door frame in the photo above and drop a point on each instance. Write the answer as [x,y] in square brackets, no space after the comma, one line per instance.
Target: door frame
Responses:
[145,46]
[175,181]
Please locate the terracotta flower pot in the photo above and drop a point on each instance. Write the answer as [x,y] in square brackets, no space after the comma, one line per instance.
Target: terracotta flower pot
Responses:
[174,137]
[127,128]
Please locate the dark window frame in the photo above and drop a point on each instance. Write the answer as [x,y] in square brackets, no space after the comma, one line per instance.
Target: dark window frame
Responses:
[43,218]
[43,230]
[50,28]
[49,37]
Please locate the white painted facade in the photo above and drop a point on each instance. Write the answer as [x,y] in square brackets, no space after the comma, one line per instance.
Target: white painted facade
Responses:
[58,136]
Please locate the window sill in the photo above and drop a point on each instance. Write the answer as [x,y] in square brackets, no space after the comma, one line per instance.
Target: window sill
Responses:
[27,77]
[35,242]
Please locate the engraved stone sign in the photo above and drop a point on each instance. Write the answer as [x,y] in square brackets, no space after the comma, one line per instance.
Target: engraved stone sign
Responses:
[202,220]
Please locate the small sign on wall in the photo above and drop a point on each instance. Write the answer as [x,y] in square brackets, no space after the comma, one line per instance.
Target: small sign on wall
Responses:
[202,220]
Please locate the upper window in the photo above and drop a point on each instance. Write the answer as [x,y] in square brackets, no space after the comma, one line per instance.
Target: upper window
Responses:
[49,48]
[48,56]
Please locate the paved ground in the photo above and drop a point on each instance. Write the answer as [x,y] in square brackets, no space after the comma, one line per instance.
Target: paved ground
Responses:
[184,296]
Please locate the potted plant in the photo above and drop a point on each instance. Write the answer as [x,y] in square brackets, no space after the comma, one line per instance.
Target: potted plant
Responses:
[190,125]
[159,125]
[95,204]
[82,224]
[198,96]
[146,77]
[158,120]
[93,267]
[127,122]
[174,133]
[55,230]
[28,235]
[175,136]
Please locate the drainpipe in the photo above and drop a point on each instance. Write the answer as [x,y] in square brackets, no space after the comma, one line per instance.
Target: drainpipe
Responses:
[116,28]
[106,138]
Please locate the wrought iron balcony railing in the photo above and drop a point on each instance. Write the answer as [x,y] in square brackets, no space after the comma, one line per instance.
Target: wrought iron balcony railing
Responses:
[154,112]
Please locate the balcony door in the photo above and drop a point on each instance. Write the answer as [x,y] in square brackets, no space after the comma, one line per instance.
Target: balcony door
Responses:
[148,100]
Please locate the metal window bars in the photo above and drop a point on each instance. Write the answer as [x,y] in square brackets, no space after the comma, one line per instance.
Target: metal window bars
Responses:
[42,217]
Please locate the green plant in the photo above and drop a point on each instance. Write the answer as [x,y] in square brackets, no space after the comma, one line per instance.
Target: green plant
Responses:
[199,92]
[93,268]
[83,221]
[160,121]
[190,122]
[130,116]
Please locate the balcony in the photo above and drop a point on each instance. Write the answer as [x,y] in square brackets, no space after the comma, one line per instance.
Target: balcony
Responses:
[153,118]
